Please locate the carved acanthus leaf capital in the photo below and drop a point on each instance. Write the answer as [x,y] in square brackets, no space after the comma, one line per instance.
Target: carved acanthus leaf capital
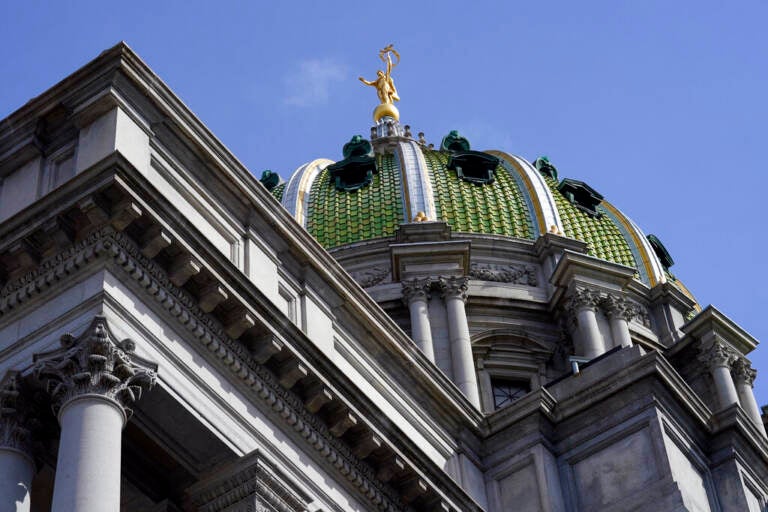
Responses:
[718,354]
[581,299]
[416,289]
[95,363]
[743,371]
[454,287]
[16,417]
[617,306]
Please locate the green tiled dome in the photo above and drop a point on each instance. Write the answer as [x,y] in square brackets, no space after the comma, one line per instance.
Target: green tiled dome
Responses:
[337,217]
[496,208]
[370,193]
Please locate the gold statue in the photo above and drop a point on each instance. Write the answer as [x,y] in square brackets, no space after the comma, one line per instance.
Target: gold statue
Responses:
[385,86]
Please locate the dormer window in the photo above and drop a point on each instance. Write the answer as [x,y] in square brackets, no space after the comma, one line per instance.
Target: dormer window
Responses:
[473,166]
[581,195]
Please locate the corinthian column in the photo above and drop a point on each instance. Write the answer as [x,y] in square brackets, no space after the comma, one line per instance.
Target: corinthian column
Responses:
[415,296]
[17,467]
[455,294]
[92,381]
[744,375]
[620,312]
[582,305]
[718,357]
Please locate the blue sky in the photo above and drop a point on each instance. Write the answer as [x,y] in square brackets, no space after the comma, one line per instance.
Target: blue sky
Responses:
[659,105]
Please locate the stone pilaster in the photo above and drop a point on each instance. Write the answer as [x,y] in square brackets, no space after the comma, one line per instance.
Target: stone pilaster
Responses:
[718,358]
[416,297]
[92,380]
[582,306]
[744,377]
[454,290]
[17,466]
[620,312]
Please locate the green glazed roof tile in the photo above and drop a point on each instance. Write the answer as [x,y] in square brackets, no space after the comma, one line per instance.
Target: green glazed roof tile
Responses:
[337,217]
[603,237]
[277,192]
[495,208]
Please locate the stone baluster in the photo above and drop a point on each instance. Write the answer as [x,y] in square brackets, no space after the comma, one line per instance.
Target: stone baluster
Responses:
[582,306]
[719,357]
[620,312]
[92,381]
[454,291]
[416,297]
[744,376]
[17,467]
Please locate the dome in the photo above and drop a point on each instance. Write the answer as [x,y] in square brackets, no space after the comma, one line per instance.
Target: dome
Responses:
[395,178]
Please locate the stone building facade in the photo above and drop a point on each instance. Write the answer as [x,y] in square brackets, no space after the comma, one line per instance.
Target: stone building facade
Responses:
[410,328]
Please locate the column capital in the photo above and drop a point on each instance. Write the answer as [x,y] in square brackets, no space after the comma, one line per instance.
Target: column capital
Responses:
[616,306]
[454,287]
[743,372]
[718,354]
[96,364]
[16,417]
[416,289]
[582,298]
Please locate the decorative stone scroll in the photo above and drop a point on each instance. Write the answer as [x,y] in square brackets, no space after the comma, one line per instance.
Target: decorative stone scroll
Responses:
[372,276]
[95,363]
[512,273]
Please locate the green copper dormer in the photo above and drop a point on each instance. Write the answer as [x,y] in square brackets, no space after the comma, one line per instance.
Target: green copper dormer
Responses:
[545,167]
[581,195]
[357,168]
[661,251]
[475,167]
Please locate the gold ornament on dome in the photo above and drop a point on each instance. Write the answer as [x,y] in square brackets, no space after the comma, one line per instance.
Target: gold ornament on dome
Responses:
[385,86]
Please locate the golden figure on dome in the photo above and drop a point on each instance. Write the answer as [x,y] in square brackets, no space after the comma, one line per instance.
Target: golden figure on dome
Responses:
[385,86]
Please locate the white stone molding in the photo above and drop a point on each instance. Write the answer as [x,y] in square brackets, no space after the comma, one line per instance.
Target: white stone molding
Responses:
[95,364]
[415,295]
[17,467]
[718,358]
[744,376]
[249,484]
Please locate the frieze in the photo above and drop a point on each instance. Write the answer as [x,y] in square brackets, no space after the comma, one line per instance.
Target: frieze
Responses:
[511,273]
[106,242]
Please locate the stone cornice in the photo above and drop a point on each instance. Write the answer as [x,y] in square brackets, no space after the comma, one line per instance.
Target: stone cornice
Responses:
[712,323]
[120,250]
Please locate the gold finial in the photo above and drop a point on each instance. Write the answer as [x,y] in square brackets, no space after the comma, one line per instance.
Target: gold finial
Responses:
[555,230]
[421,217]
[385,86]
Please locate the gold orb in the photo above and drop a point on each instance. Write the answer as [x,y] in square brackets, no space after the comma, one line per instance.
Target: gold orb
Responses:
[386,109]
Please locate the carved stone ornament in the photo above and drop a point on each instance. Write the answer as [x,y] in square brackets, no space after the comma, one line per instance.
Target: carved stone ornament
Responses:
[617,306]
[95,363]
[372,276]
[512,273]
[416,289]
[16,421]
[743,372]
[249,485]
[454,287]
[718,354]
[583,298]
